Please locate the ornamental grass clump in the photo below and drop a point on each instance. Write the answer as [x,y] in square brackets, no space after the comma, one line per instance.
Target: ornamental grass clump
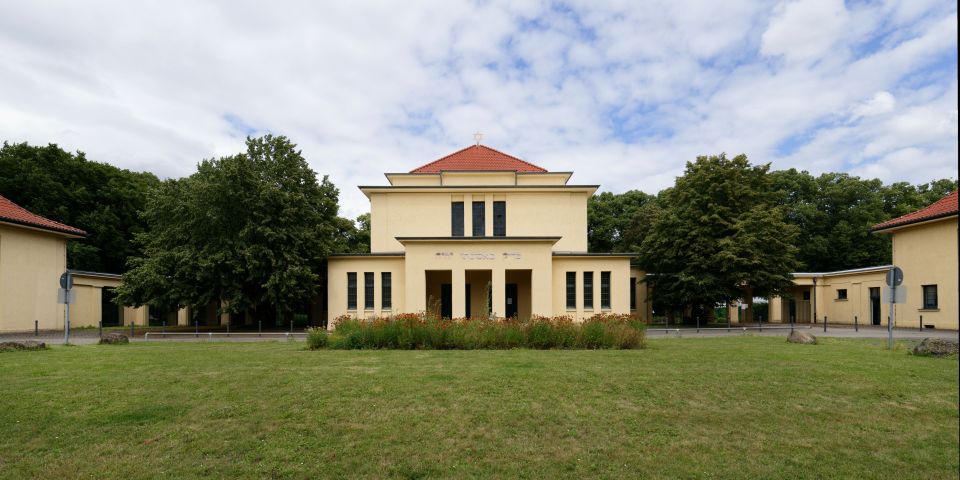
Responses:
[427,332]
[317,338]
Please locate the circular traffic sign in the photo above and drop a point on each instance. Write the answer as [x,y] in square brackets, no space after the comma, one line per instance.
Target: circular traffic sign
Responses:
[894,277]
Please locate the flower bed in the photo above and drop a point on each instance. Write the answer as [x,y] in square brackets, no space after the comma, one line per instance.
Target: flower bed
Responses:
[420,331]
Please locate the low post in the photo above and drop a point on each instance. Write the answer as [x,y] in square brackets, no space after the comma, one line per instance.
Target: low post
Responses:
[698,323]
[760,322]
[291,325]
[259,327]
[228,329]
[196,329]
[164,330]
[36,328]
[791,323]
[856,324]
[100,328]
[824,323]
[921,322]
[132,323]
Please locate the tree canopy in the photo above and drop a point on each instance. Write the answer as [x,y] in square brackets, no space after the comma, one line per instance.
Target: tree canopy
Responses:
[717,231]
[99,198]
[611,220]
[251,229]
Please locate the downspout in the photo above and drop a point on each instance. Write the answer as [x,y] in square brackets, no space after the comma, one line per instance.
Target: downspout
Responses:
[814,299]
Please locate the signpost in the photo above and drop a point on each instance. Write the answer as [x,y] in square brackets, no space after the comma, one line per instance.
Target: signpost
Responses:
[66,297]
[894,280]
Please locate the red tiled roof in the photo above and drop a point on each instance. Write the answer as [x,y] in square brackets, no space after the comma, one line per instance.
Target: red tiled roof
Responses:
[944,207]
[13,213]
[478,157]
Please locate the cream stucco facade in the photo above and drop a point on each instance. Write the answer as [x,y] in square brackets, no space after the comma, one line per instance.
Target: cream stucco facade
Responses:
[927,254]
[844,297]
[31,262]
[481,241]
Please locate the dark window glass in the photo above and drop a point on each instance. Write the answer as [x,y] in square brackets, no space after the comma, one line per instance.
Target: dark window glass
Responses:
[386,290]
[571,290]
[604,289]
[633,293]
[929,296]
[841,294]
[352,291]
[806,295]
[479,219]
[456,219]
[499,219]
[368,290]
[468,306]
[587,290]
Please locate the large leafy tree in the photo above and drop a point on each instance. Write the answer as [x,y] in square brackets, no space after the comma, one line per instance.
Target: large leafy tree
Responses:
[251,229]
[719,236]
[99,198]
[834,213]
[611,218]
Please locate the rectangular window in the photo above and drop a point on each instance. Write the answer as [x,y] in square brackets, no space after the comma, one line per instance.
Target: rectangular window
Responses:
[587,290]
[806,295]
[571,290]
[368,290]
[633,293]
[929,297]
[456,219]
[499,219]
[604,289]
[841,294]
[351,290]
[479,219]
[386,290]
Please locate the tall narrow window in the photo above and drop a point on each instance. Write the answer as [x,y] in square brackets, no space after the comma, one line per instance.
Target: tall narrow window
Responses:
[479,219]
[604,289]
[571,290]
[386,290]
[499,219]
[588,290]
[368,290]
[633,293]
[456,219]
[929,297]
[351,290]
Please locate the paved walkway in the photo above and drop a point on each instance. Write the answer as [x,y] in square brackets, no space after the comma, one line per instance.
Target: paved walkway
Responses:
[843,331]
[90,336]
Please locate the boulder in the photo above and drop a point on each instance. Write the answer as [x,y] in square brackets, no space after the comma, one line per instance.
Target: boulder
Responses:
[22,345]
[936,347]
[113,339]
[805,338]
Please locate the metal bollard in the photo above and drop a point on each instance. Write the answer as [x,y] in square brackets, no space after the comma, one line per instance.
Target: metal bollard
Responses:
[921,322]
[698,323]
[196,329]
[36,328]
[100,328]
[291,325]
[164,329]
[132,323]
[259,327]
[824,323]
[856,324]
[228,329]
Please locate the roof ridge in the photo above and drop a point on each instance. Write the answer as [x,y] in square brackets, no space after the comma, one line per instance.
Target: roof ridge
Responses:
[11,212]
[940,208]
[481,150]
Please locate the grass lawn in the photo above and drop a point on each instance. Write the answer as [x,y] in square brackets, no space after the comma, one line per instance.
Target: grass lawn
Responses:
[693,408]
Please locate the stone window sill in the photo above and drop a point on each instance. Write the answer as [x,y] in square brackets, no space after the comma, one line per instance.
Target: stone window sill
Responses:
[928,309]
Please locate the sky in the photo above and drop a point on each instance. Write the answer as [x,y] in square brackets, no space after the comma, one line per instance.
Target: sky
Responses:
[623,93]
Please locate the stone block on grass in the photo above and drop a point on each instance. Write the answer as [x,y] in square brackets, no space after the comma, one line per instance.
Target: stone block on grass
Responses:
[936,347]
[22,345]
[804,338]
[114,339]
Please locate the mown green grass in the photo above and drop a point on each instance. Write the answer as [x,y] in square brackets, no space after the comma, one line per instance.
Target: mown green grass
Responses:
[693,408]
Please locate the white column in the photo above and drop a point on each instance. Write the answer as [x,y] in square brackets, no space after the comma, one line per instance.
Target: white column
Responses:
[498,281]
[458,278]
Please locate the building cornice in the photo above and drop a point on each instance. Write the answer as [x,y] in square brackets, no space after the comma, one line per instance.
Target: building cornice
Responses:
[478,239]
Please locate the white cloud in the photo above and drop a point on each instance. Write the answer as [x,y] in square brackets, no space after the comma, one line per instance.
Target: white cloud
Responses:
[621,92]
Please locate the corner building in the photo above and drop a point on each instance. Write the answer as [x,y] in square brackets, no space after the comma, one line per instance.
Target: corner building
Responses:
[477,233]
